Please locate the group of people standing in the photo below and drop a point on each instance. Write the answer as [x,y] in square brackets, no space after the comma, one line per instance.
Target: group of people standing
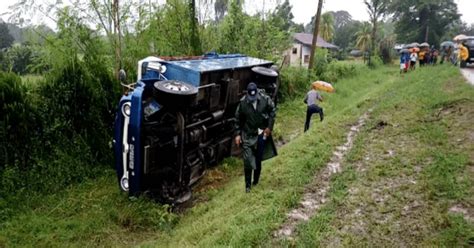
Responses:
[454,54]
[424,56]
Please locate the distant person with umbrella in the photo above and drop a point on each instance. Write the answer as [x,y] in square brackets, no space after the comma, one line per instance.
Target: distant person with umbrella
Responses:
[425,57]
[446,50]
[413,59]
[434,55]
[422,56]
[311,99]
[404,60]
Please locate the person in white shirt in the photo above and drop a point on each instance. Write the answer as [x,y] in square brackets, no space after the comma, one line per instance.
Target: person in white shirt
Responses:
[413,59]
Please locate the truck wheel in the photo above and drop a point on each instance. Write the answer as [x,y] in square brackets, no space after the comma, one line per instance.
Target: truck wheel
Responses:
[173,93]
[265,71]
[463,64]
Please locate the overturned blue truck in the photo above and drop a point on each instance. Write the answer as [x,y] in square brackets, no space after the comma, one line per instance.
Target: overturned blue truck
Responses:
[178,119]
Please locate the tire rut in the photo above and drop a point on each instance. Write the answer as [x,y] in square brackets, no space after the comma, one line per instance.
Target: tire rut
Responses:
[316,192]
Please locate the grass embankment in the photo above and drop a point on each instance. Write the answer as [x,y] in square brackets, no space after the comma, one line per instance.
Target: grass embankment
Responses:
[409,179]
[95,213]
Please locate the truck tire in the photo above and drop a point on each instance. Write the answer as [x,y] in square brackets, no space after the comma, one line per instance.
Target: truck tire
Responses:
[174,94]
[463,64]
[264,71]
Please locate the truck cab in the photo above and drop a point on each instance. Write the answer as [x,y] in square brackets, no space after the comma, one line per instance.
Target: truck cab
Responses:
[177,119]
[469,44]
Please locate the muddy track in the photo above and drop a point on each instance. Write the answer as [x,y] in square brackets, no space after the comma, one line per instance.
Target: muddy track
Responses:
[316,192]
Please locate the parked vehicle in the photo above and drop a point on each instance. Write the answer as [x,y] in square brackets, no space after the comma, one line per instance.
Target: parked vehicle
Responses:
[178,119]
[469,56]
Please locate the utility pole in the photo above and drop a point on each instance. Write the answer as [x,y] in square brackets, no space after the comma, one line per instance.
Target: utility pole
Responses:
[315,35]
[427,32]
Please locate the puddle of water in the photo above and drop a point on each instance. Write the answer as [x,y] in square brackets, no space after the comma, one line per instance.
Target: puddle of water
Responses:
[469,75]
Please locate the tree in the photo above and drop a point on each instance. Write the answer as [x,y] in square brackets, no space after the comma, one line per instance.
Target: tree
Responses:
[193,22]
[345,36]
[364,37]
[341,18]
[21,58]
[386,48]
[376,9]
[232,29]
[423,20]
[327,26]
[220,8]
[282,16]
[315,34]
[468,30]
[6,39]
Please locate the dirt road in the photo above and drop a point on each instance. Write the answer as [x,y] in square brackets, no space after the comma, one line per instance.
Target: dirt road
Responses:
[469,74]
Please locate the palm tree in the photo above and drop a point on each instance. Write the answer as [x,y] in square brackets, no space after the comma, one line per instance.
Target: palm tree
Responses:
[376,9]
[327,26]
[364,37]
[386,47]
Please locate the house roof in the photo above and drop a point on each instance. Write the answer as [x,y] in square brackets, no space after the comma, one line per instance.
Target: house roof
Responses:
[307,39]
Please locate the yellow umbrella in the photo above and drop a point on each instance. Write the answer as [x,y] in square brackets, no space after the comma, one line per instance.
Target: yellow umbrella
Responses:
[324,86]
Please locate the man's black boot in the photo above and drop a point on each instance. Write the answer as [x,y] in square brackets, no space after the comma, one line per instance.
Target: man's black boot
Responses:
[256,177]
[248,178]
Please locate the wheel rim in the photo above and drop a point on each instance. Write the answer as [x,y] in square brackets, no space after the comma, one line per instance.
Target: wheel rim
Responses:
[176,86]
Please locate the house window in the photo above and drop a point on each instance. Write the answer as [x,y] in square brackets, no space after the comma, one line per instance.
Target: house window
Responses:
[306,58]
[295,50]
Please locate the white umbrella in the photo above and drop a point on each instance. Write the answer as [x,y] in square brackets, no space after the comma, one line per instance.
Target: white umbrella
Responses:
[460,37]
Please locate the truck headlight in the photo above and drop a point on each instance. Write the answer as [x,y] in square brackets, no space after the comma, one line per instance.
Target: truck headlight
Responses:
[126,109]
[124,183]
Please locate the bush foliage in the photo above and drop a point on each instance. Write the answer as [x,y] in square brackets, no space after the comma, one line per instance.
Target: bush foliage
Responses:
[57,131]
[295,81]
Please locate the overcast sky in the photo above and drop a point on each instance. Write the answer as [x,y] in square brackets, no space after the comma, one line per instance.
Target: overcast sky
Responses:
[304,9]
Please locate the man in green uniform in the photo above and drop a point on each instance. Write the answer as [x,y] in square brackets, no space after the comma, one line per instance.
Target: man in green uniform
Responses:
[255,118]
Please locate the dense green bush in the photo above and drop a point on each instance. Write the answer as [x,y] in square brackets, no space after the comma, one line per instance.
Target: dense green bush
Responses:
[375,62]
[322,59]
[337,70]
[18,123]
[295,81]
[76,103]
[65,137]
[58,130]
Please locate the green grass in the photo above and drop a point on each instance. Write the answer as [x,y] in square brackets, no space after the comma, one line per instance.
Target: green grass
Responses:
[404,199]
[95,213]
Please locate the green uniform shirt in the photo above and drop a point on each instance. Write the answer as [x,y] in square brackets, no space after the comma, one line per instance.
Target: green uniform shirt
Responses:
[249,120]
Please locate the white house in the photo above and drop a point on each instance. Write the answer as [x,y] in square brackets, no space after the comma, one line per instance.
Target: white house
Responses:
[299,53]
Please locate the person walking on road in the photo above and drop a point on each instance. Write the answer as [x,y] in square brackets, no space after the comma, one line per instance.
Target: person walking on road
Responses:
[255,116]
[311,99]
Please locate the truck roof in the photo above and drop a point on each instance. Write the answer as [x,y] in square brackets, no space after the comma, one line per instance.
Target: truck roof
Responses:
[222,62]
[190,69]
